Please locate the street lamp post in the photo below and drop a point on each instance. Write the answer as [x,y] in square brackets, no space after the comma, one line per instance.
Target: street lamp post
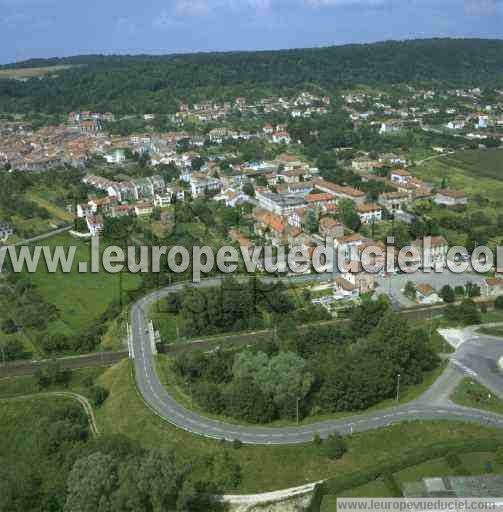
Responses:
[398,388]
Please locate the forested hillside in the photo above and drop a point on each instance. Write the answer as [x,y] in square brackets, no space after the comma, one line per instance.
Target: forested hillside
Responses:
[159,83]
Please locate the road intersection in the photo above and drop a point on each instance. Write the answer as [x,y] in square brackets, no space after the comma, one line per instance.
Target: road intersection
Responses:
[476,358]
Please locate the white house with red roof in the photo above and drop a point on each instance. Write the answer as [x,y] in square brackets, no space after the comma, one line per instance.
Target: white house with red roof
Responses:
[282,137]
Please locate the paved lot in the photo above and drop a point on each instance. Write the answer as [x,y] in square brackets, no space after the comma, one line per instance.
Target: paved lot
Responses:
[397,283]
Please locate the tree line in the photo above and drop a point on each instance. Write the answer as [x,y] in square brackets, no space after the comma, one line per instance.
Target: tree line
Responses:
[139,84]
[324,369]
[61,468]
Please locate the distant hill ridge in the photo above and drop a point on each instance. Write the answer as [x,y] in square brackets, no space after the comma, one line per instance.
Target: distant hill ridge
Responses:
[160,82]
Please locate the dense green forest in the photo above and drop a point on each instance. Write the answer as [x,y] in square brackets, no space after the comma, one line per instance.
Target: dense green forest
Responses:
[129,84]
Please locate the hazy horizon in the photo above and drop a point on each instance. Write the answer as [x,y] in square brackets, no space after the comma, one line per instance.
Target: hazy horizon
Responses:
[53,28]
[195,52]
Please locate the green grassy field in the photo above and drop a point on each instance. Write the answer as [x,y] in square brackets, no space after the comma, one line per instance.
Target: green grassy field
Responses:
[20,73]
[80,298]
[47,199]
[472,394]
[268,468]
[474,172]
[436,467]
[473,463]
[27,385]
[484,163]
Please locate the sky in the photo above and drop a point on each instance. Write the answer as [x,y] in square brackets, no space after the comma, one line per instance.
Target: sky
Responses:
[56,28]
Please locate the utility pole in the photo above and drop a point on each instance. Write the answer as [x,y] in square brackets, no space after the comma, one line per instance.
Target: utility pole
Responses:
[398,388]
[298,400]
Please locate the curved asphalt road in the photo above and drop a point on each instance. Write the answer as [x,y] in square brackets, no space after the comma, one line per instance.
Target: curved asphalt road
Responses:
[469,360]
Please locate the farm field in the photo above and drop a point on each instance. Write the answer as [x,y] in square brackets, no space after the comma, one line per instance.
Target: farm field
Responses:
[473,171]
[25,73]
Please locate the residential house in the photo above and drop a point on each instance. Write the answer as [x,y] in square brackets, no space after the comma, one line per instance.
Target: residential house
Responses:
[176,192]
[118,156]
[102,205]
[406,217]
[271,226]
[362,281]
[148,187]
[422,194]
[339,191]
[348,245]
[142,209]
[291,176]
[450,198]
[369,213]
[483,121]
[330,227]
[236,236]
[371,254]
[392,159]
[400,176]
[162,200]
[268,129]
[90,127]
[232,198]
[200,185]
[364,164]
[121,210]
[302,187]
[321,201]
[391,127]
[492,287]
[457,124]
[6,230]
[123,191]
[344,289]
[218,135]
[85,210]
[281,204]
[297,218]
[95,224]
[426,294]
[432,250]
[393,201]
[281,137]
